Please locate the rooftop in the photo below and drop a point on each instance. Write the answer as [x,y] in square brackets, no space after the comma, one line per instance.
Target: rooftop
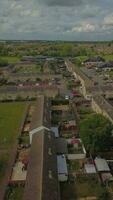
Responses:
[40,115]
[62,165]
[104,104]
[90,169]
[87,81]
[61,146]
[101,165]
[42,176]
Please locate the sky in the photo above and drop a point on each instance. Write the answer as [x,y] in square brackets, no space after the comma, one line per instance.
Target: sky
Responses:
[75,20]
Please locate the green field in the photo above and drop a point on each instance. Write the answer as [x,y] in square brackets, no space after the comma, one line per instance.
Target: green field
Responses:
[82,188]
[10,119]
[15,193]
[108,57]
[10,59]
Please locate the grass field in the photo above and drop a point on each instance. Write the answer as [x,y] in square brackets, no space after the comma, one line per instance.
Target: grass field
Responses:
[10,59]
[15,193]
[81,58]
[10,118]
[108,57]
[80,189]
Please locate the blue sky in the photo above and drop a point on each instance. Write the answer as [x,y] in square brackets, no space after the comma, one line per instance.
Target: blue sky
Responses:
[56,19]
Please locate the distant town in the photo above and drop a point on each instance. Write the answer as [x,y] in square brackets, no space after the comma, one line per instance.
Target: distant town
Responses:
[56,120]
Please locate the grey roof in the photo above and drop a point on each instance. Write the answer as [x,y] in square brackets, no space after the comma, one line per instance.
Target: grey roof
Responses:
[42,176]
[87,81]
[104,105]
[41,114]
[95,59]
[101,165]
[61,146]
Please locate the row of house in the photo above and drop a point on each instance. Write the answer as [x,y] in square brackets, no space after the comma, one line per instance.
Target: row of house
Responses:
[99,63]
[40,58]
[106,66]
[86,82]
[94,93]
[47,164]
[42,176]
[101,105]
[93,61]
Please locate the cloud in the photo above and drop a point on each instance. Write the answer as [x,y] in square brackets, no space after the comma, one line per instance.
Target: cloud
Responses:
[62,2]
[84,27]
[56,19]
[108,20]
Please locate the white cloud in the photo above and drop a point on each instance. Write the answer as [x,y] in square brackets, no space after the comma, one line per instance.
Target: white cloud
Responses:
[108,20]
[56,18]
[84,27]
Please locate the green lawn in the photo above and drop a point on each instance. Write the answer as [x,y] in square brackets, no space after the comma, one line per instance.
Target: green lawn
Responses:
[74,165]
[108,57]
[15,193]
[10,59]
[10,119]
[25,139]
[3,164]
[85,110]
[81,58]
[83,187]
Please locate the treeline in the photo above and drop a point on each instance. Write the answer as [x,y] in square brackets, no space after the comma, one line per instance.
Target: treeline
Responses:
[96,133]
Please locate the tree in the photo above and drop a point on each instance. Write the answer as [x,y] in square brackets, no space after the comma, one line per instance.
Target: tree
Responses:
[96,133]
[104,194]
